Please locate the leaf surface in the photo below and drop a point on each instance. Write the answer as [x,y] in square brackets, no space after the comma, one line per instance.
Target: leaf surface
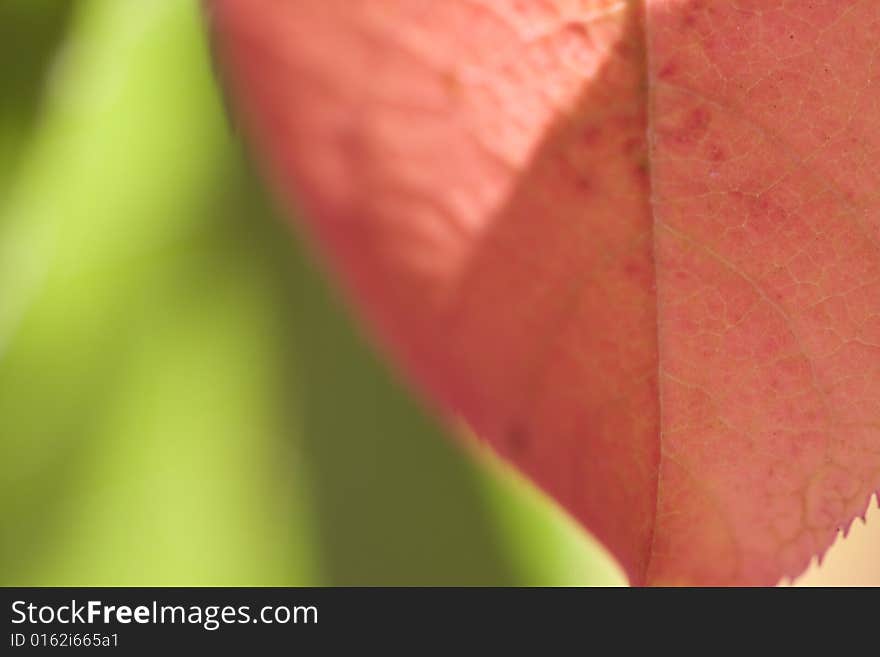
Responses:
[634,245]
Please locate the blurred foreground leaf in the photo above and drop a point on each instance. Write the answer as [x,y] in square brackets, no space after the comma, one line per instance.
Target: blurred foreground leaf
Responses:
[181,399]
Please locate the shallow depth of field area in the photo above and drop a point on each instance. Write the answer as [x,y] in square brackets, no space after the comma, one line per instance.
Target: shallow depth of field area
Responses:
[183,399]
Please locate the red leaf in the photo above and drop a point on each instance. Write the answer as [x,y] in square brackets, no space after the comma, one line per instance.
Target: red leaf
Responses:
[645,269]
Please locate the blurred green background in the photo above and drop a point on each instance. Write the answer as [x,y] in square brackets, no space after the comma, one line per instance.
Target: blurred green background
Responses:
[182,400]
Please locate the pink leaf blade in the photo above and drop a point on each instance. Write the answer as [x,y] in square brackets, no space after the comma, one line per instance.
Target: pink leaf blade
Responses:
[644,269]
